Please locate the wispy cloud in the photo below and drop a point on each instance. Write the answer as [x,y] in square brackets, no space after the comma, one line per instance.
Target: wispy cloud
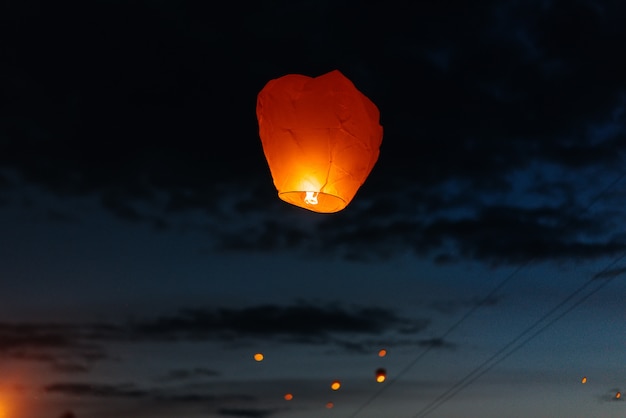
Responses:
[314,322]
[245,412]
[97,390]
[461,140]
[157,397]
[188,374]
[77,347]
[610,274]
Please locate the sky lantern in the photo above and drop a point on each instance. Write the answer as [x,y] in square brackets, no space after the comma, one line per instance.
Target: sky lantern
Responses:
[288,396]
[335,385]
[382,352]
[381,375]
[584,379]
[259,356]
[321,138]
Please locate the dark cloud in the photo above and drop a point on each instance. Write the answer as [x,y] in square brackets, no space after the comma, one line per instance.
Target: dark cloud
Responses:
[436,343]
[160,398]
[151,110]
[48,335]
[298,323]
[368,346]
[158,395]
[246,412]
[67,348]
[96,390]
[610,274]
[71,361]
[451,306]
[512,234]
[188,374]
[77,347]
[497,234]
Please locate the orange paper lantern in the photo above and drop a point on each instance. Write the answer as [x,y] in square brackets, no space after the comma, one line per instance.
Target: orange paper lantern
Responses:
[321,138]
[381,375]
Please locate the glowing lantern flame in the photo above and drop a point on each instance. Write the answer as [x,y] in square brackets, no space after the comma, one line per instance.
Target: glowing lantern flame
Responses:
[335,385]
[311,198]
[321,138]
[288,396]
[584,380]
[259,357]
[618,395]
[382,353]
[381,375]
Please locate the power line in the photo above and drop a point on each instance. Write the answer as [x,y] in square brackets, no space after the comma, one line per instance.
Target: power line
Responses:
[477,372]
[442,336]
[475,307]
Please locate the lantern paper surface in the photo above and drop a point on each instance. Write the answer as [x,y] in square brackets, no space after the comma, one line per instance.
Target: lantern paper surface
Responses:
[321,138]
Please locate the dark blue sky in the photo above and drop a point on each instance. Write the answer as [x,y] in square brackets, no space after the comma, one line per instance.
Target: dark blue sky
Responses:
[145,256]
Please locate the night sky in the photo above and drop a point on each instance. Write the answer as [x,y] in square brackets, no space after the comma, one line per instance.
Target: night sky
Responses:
[145,256]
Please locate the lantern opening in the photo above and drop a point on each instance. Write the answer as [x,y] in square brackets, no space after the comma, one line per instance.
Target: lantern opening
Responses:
[311,198]
[314,201]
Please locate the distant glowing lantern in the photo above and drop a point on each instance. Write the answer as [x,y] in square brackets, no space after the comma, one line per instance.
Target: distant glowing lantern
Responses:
[618,395]
[329,405]
[259,357]
[382,353]
[288,396]
[381,375]
[584,379]
[335,385]
[321,138]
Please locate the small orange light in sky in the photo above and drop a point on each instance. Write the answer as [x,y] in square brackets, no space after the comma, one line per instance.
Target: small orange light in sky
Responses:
[381,375]
[584,379]
[329,405]
[288,396]
[382,353]
[618,395]
[335,385]
[258,357]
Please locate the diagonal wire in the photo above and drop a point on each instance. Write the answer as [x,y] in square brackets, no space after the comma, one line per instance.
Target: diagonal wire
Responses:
[469,313]
[475,307]
[477,372]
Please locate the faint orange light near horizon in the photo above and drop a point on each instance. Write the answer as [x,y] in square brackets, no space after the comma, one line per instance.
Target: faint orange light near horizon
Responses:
[321,138]
[259,357]
[618,395]
[288,396]
[335,385]
[5,408]
[329,405]
[584,379]
[382,353]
